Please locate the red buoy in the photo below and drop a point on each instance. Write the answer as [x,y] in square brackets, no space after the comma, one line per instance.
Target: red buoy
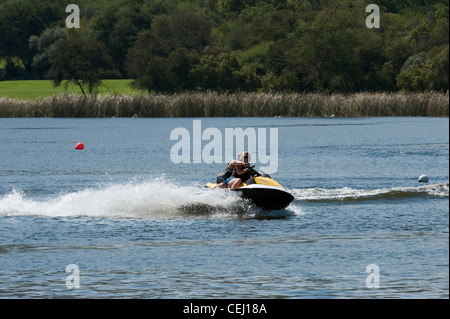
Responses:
[79,146]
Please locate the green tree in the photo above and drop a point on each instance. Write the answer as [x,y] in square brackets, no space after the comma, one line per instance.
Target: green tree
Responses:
[438,70]
[229,78]
[205,73]
[218,72]
[118,26]
[80,59]
[145,63]
[185,29]
[19,20]
[44,45]
[287,81]
[426,72]
[179,68]
[163,57]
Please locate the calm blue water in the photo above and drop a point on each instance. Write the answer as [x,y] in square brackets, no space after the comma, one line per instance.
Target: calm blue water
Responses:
[138,225]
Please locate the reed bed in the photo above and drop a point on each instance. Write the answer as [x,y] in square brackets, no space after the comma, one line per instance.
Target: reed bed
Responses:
[213,104]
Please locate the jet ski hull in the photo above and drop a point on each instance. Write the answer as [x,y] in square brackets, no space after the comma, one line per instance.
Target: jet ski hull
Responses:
[264,192]
[266,197]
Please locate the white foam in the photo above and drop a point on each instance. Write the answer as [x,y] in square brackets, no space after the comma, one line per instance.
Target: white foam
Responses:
[317,194]
[156,198]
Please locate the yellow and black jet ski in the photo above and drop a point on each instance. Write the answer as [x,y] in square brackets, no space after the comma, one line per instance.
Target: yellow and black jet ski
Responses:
[264,192]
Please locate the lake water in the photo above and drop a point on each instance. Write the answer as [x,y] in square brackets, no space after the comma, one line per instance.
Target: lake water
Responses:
[120,219]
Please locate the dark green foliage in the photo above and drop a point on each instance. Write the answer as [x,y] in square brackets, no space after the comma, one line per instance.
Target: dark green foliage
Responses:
[44,45]
[20,19]
[229,46]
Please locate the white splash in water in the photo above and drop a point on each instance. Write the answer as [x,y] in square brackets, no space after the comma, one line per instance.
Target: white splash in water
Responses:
[346,193]
[158,198]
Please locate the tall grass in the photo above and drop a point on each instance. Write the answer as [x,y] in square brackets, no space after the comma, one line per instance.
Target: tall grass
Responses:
[212,104]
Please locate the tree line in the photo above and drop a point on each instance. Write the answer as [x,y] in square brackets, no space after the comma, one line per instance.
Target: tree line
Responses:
[230,46]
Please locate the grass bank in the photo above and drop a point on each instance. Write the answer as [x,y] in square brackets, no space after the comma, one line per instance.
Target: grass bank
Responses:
[32,89]
[214,104]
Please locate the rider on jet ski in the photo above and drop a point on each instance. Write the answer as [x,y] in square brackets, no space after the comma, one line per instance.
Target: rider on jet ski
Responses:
[260,189]
[241,173]
[236,172]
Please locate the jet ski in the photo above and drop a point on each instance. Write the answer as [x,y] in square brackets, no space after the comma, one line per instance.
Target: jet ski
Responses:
[263,191]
